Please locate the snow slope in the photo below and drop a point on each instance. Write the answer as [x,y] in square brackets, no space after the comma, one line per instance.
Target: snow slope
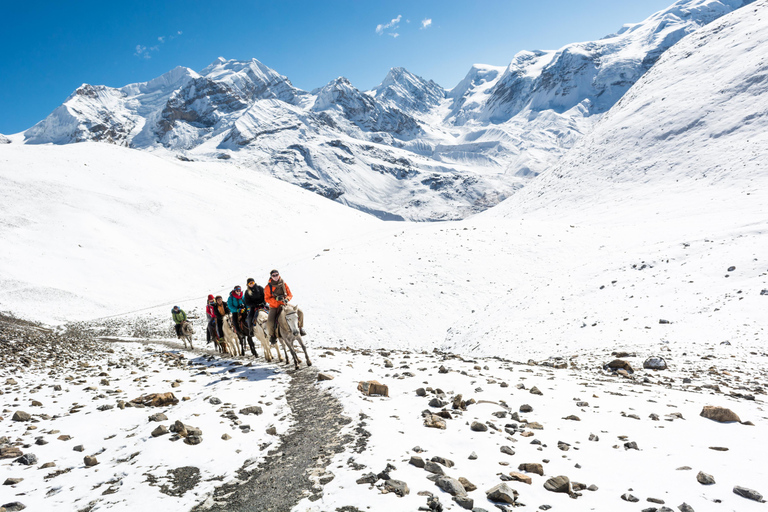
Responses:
[408,149]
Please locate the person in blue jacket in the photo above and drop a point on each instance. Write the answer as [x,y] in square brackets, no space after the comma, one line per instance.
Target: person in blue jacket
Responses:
[235,304]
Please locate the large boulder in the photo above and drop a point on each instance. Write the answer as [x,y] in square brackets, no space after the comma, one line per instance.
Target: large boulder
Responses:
[655,363]
[502,493]
[719,414]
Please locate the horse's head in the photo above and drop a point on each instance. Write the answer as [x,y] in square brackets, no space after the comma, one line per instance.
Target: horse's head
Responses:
[292,318]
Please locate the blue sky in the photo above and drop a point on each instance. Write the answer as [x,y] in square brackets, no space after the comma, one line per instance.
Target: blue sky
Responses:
[50,48]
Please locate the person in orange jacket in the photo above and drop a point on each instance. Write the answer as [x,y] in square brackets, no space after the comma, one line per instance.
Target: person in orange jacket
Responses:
[276,294]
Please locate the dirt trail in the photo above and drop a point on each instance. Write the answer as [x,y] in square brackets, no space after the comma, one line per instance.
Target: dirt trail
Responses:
[293,470]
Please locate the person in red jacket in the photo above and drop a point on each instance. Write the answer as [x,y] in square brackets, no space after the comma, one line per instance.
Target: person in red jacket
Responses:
[211,332]
[277,294]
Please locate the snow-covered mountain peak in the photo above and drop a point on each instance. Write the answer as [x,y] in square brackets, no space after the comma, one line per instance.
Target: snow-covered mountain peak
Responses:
[403,89]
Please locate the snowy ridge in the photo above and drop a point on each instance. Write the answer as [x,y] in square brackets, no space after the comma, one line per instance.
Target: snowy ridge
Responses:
[413,150]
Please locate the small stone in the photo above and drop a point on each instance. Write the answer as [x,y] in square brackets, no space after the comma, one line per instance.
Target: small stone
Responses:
[434,421]
[10,452]
[521,477]
[14,506]
[451,486]
[478,427]
[368,478]
[630,498]
[464,502]
[705,479]
[64,437]
[468,486]
[90,461]
[21,416]
[46,466]
[193,439]
[158,417]
[535,391]
[437,403]
[502,493]
[748,493]
[416,461]
[532,467]
[442,460]
[558,484]
[719,414]
[12,481]
[525,408]
[434,467]
[684,507]
[28,459]
[472,456]
[572,417]
[79,448]
[254,409]
[397,487]
[507,449]
[160,431]
[324,376]
[214,401]
[421,392]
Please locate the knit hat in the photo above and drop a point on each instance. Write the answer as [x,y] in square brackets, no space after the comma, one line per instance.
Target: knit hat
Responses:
[250,280]
[210,296]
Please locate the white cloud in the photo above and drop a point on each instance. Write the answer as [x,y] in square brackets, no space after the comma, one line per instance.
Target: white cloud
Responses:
[146,53]
[381,28]
[394,34]
[426,23]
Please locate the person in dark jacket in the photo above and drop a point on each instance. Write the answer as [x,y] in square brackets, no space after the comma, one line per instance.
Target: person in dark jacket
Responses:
[254,300]
[235,304]
[179,316]
[221,310]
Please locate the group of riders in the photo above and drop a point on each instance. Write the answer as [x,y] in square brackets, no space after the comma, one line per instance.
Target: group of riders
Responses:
[244,305]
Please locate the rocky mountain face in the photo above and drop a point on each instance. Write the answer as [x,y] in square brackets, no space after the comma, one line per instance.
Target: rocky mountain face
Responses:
[407,149]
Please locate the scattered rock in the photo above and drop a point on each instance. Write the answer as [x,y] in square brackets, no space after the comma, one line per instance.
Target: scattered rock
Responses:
[478,427]
[519,477]
[442,460]
[434,421]
[324,376]
[502,493]
[719,414]
[434,467]
[558,484]
[535,391]
[655,363]
[619,364]
[28,459]
[437,403]
[254,409]
[532,467]
[468,486]
[159,431]
[416,461]
[421,392]
[10,452]
[630,498]
[156,400]
[90,461]
[464,502]
[12,481]
[373,387]
[684,507]
[79,448]
[705,479]
[398,487]
[226,437]
[21,416]
[507,449]
[748,493]
[472,456]
[158,417]
[451,486]
[368,478]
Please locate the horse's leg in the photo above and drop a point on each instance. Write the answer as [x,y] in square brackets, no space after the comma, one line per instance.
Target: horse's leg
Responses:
[301,342]
[293,353]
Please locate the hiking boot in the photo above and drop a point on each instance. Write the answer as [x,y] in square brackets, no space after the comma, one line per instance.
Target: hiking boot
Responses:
[273,340]
[302,332]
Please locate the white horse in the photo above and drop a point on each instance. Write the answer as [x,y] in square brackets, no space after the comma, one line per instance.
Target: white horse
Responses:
[231,341]
[288,331]
[260,330]
[186,333]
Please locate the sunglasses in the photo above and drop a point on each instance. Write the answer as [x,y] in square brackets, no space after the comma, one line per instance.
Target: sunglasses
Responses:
[274,274]
[237,288]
